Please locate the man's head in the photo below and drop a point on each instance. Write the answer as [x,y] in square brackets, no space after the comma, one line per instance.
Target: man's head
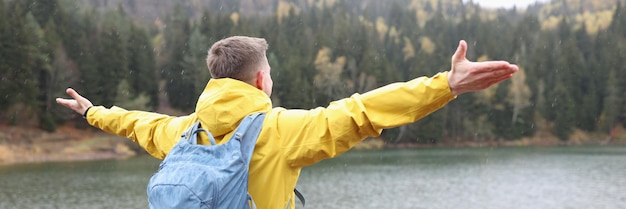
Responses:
[242,58]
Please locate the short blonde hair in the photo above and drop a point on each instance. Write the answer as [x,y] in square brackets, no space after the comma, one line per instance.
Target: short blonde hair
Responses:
[236,57]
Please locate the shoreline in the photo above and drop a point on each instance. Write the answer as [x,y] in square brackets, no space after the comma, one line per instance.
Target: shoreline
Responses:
[21,145]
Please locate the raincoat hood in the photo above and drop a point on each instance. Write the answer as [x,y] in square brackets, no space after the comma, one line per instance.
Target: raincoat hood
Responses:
[221,111]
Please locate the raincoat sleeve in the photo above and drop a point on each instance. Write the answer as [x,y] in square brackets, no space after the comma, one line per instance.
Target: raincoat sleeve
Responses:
[314,135]
[156,133]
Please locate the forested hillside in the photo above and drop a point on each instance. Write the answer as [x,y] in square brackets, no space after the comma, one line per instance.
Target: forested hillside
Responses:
[150,55]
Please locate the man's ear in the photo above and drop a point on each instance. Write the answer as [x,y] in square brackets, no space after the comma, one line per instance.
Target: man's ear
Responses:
[259,80]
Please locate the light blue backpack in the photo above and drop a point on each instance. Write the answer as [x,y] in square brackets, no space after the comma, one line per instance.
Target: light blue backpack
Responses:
[211,177]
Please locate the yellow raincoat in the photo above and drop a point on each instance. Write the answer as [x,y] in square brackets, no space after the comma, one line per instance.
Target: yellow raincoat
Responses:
[289,139]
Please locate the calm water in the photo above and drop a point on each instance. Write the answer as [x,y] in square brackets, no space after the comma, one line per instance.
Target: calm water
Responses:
[550,178]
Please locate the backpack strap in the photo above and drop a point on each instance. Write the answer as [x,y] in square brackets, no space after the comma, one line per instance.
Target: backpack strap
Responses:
[191,134]
[247,133]
[299,195]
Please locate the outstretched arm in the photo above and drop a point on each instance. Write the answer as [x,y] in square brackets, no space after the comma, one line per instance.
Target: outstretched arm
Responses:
[156,133]
[328,132]
[466,76]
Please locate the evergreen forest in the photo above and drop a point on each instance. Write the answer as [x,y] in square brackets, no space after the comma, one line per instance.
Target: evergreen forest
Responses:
[150,55]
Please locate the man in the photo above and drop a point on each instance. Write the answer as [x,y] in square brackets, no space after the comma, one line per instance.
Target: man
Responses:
[289,139]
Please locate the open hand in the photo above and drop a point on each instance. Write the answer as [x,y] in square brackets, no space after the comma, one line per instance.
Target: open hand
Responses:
[466,76]
[79,103]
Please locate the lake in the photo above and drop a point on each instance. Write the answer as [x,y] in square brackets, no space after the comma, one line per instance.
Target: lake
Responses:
[528,177]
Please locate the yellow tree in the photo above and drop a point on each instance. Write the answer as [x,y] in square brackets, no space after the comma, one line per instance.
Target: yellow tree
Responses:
[519,94]
[428,45]
[328,78]
[487,96]
[284,8]
[381,28]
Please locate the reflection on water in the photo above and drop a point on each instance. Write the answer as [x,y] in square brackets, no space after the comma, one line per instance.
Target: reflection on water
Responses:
[100,184]
[590,177]
[562,177]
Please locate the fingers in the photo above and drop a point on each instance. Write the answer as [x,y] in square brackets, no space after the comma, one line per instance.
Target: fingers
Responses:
[80,99]
[489,73]
[74,94]
[78,103]
[68,102]
[494,69]
[461,52]
[491,65]
[65,102]
[500,75]
[515,68]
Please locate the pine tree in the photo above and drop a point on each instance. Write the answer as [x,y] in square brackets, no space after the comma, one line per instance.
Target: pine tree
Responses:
[40,52]
[5,43]
[69,28]
[19,84]
[141,65]
[63,72]
[569,84]
[176,36]
[205,26]
[588,95]
[124,98]
[41,10]
[87,62]
[562,104]
[613,102]
[196,73]
[112,63]
[293,78]
[618,22]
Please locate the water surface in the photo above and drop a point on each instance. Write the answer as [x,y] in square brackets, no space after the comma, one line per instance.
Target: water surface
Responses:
[550,178]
